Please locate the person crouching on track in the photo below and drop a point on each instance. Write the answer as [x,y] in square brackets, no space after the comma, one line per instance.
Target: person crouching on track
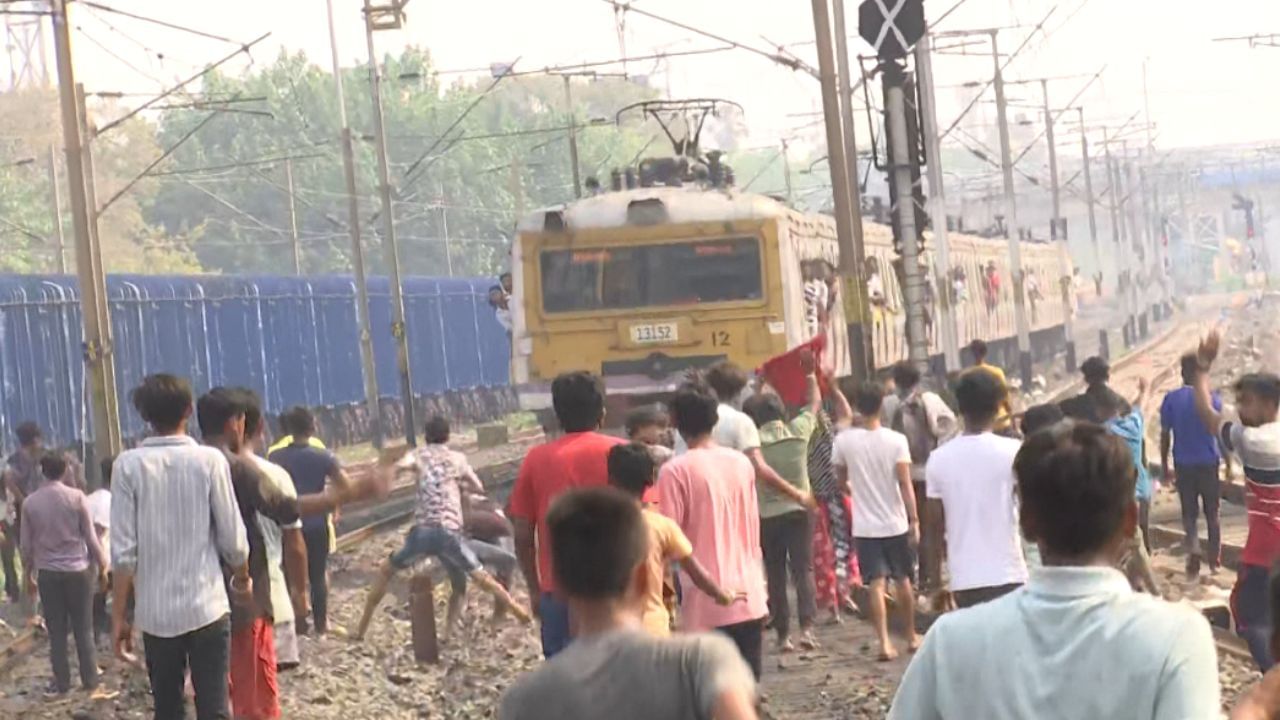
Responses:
[632,470]
[1076,643]
[440,475]
[1255,438]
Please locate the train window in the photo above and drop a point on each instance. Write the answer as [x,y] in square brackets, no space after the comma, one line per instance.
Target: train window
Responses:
[681,273]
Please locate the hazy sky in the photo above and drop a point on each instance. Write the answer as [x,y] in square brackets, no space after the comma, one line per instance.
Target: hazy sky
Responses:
[1201,92]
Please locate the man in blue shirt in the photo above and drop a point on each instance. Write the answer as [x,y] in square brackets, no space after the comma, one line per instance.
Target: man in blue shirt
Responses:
[1124,420]
[1195,466]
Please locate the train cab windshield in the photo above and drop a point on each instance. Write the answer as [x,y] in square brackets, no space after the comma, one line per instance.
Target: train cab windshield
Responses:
[664,275]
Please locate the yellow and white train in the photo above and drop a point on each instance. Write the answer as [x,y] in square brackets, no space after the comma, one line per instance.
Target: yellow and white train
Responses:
[641,285]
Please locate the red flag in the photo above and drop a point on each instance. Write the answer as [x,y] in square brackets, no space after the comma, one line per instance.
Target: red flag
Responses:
[786,373]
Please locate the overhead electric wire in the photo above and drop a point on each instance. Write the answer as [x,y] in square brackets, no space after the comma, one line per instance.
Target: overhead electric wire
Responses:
[472,106]
[793,63]
[176,88]
[161,23]
[1070,104]
[553,69]
[977,96]
[233,166]
[163,156]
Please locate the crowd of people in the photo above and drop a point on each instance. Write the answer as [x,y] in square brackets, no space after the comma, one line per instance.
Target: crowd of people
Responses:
[658,563]
[1028,528]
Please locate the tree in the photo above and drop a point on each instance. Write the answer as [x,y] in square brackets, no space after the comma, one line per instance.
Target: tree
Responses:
[32,125]
[509,151]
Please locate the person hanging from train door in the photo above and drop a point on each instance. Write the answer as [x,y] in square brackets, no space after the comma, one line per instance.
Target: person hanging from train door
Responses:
[879,305]
[991,287]
[1255,438]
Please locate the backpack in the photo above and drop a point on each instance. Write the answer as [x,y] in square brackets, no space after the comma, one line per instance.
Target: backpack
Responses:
[911,419]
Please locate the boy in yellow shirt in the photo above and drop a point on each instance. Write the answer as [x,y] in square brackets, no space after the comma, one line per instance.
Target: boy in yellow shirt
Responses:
[632,469]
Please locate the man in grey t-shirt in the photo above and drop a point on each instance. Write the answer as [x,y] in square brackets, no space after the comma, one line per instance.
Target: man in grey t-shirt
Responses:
[599,548]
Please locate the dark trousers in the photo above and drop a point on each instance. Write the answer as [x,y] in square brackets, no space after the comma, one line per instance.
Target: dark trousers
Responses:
[749,637]
[67,599]
[317,542]
[101,617]
[8,549]
[207,651]
[1198,486]
[787,542]
[977,596]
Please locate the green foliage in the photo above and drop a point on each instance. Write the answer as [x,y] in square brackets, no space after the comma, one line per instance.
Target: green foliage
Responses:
[468,188]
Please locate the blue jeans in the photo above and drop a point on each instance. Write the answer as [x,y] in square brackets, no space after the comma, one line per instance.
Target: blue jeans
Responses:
[555,624]
[449,546]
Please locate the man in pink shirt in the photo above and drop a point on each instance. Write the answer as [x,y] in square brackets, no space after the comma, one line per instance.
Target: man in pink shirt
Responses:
[710,492]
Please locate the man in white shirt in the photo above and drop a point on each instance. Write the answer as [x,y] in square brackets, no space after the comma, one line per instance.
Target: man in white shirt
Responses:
[736,430]
[972,509]
[286,549]
[886,530]
[1076,643]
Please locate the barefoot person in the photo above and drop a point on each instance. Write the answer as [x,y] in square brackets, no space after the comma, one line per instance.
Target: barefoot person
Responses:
[441,477]
[877,463]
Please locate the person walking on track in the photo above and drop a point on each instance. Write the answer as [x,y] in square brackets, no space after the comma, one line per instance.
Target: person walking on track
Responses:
[1255,438]
[710,492]
[1076,643]
[927,422]
[579,458]
[58,542]
[1196,461]
[786,527]
[835,564]
[877,464]
[312,469]
[174,523]
[973,510]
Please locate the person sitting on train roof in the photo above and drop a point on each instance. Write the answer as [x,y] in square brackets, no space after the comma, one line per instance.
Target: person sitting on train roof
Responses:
[1255,438]
[1076,639]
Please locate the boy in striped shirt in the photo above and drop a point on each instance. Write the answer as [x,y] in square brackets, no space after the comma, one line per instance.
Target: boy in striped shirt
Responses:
[1255,438]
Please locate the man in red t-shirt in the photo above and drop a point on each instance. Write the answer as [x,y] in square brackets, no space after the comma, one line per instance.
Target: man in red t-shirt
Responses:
[578,459]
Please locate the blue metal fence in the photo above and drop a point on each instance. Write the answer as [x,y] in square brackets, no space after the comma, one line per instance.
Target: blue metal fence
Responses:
[292,339]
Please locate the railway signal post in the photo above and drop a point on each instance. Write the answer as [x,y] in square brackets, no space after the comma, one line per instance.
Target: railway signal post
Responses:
[892,30]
